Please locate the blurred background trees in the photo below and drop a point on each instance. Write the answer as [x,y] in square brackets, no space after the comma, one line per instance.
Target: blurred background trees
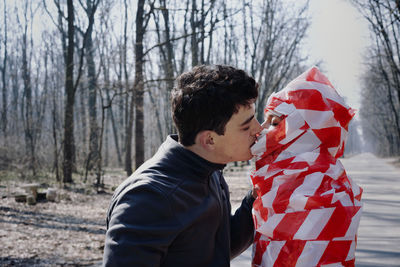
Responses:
[86,84]
[380,95]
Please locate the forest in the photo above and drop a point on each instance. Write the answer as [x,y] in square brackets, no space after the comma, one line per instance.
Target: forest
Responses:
[85,84]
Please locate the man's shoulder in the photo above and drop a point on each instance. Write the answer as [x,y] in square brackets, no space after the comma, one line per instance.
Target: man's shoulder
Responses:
[154,179]
[152,183]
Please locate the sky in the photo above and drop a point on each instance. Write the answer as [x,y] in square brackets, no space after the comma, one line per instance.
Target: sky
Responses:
[338,36]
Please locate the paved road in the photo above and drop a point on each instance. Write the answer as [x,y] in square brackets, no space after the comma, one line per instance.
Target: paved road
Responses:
[379,231]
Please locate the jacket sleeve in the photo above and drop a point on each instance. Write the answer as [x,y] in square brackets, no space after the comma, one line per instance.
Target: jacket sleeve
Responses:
[141,226]
[242,227]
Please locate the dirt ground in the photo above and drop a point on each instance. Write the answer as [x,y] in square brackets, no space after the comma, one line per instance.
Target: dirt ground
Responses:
[69,232]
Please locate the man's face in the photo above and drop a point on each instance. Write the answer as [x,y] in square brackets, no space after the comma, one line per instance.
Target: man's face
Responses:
[240,135]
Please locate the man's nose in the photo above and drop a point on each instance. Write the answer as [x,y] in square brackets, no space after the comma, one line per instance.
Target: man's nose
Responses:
[257,128]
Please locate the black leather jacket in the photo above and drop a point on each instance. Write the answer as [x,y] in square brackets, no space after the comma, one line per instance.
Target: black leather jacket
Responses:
[175,211]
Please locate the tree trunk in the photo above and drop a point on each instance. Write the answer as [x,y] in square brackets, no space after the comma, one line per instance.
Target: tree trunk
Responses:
[185,40]
[94,128]
[27,103]
[70,97]
[168,69]
[106,141]
[3,76]
[194,44]
[124,107]
[139,86]
[81,107]
[202,32]
[55,138]
[137,97]
[115,131]
[14,101]
[128,136]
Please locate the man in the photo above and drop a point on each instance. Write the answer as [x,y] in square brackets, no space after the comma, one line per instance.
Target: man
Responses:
[175,210]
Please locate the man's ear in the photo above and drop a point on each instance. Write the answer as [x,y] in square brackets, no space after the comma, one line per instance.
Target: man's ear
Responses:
[205,139]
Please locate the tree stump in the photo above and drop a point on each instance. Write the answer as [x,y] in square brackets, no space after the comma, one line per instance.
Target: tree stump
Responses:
[31,189]
[20,197]
[51,194]
[31,200]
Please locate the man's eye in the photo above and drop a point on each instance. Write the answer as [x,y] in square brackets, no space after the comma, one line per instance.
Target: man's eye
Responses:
[245,129]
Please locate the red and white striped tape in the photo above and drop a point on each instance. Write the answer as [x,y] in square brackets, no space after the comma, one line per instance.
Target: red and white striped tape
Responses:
[308,210]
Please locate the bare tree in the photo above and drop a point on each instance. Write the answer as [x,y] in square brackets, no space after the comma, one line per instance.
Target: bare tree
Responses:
[27,103]
[94,152]
[194,43]
[14,70]
[142,19]
[383,18]
[124,103]
[185,33]
[199,18]
[3,70]
[167,59]
[70,90]
[71,84]
[377,113]
[105,47]
[117,81]
[275,47]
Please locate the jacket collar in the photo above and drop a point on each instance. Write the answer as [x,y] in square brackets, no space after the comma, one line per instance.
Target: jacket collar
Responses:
[187,161]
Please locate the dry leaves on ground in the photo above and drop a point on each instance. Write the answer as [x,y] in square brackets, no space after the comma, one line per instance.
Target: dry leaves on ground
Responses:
[69,232]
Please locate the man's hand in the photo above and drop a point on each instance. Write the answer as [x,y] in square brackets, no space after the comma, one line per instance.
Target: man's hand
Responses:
[254,192]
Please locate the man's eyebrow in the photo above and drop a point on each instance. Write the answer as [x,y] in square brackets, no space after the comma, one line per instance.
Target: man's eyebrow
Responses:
[247,121]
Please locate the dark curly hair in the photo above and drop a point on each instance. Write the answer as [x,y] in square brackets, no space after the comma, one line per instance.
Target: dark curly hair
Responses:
[206,97]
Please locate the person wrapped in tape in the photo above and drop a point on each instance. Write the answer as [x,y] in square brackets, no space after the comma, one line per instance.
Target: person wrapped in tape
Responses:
[307,210]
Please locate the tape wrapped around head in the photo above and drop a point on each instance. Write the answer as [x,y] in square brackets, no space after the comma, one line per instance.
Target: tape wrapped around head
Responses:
[307,211]
[310,106]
